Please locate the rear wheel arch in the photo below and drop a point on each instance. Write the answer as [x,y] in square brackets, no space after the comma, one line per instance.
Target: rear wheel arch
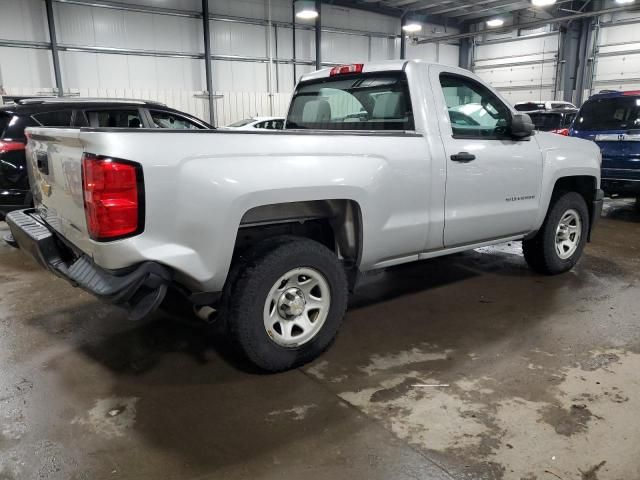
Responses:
[335,223]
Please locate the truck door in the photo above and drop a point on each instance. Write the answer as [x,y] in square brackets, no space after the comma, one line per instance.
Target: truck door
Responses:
[493,181]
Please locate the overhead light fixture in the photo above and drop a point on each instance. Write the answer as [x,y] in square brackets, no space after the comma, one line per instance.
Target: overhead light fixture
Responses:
[306,9]
[625,1]
[412,27]
[495,22]
[542,3]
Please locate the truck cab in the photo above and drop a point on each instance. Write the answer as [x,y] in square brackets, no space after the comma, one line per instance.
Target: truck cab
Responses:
[612,121]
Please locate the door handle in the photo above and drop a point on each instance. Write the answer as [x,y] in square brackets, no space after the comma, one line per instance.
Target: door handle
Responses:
[463,157]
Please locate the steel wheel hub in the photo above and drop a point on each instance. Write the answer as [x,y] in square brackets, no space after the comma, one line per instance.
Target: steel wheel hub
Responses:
[296,307]
[291,303]
[568,234]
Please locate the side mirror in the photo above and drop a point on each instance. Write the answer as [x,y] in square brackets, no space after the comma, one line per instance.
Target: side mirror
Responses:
[521,125]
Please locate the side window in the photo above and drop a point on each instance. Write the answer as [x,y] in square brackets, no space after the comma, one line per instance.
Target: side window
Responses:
[260,125]
[474,110]
[114,118]
[278,124]
[60,118]
[171,120]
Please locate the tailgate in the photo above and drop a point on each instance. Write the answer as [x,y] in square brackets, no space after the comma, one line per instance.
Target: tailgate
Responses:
[54,161]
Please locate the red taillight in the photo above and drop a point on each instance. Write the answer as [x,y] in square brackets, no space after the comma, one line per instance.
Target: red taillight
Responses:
[562,131]
[10,146]
[631,93]
[346,69]
[112,195]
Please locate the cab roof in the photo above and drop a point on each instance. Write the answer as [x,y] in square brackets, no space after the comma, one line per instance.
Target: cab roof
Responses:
[372,67]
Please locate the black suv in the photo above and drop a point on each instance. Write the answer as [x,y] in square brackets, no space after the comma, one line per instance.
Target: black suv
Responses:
[70,112]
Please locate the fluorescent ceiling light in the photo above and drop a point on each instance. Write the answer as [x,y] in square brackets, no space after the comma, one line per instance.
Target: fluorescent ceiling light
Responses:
[412,27]
[307,14]
[542,3]
[625,1]
[495,22]
[306,10]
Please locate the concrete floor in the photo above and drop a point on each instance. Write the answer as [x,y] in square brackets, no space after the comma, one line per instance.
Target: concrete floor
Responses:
[463,367]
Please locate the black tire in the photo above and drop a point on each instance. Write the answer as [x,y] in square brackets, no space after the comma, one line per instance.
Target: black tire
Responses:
[540,251]
[256,274]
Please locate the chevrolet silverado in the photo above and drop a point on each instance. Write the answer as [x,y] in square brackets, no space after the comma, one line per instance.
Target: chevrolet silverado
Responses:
[377,166]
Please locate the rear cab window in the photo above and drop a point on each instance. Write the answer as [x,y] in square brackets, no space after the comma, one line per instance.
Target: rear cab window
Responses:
[376,101]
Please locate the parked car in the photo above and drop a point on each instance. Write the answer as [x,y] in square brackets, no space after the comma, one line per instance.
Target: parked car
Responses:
[556,121]
[70,112]
[612,120]
[266,123]
[548,105]
[273,230]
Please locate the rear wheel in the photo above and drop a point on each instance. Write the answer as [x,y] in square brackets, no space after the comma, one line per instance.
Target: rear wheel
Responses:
[287,303]
[558,245]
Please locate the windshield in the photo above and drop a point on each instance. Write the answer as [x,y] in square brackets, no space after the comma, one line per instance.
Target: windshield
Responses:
[619,113]
[545,122]
[529,107]
[241,123]
[354,102]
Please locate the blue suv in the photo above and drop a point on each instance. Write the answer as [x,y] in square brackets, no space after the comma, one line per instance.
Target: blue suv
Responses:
[612,120]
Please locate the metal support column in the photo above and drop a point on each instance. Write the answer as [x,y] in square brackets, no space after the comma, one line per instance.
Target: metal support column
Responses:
[403,38]
[569,59]
[207,58]
[54,47]
[318,36]
[586,38]
[464,56]
[293,39]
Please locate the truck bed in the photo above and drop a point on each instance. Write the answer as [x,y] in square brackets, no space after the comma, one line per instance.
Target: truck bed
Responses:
[198,185]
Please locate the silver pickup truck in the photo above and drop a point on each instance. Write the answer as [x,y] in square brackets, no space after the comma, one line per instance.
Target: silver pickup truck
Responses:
[378,165]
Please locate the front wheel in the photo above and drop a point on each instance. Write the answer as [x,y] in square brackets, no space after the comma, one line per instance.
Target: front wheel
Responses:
[287,303]
[558,245]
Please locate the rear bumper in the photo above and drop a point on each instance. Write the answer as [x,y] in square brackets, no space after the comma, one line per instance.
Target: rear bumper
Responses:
[140,290]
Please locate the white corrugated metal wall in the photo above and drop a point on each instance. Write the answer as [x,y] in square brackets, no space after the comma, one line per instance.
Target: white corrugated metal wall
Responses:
[522,69]
[107,52]
[617,64]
